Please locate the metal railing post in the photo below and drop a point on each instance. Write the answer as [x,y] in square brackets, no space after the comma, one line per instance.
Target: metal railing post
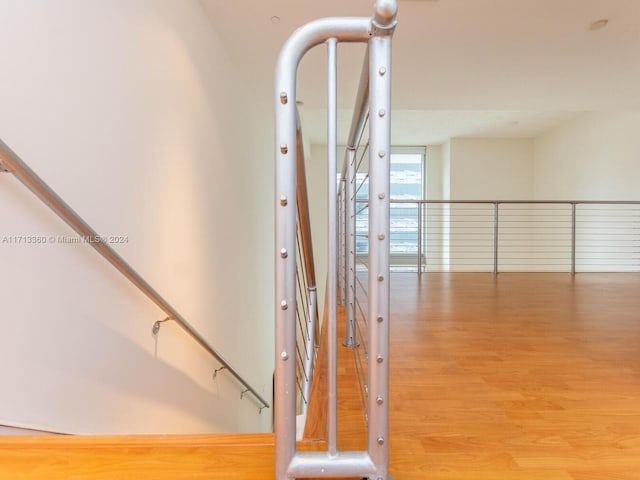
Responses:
[332,271]
[420,238]
[285,241]
[379,213]
[495,237]
[342,275]
[573,239]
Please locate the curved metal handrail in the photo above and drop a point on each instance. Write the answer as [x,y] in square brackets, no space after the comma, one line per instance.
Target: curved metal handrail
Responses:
[15,165]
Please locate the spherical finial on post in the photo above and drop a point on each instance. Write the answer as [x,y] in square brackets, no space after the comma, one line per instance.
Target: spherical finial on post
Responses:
[385,12]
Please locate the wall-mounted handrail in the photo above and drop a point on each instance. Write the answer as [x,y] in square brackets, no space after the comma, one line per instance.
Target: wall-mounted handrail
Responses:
[15,165]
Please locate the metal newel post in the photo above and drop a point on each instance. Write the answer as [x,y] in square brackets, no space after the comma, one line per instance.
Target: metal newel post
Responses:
[285,242]
[495,237]
[379,213]
[573,239]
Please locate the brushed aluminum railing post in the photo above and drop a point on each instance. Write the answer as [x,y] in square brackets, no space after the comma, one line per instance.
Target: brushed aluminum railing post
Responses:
[573,239]
[332,270]
[285,315]
[342,242]
[379,189]
[420,204]
[495,237]
[350,337]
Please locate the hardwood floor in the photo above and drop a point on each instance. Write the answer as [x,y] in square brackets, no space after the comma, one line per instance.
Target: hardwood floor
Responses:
[157,457]
[517,377]
[521,376]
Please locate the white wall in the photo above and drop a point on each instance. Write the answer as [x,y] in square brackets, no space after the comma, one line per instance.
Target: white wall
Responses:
[131,110]
[594,157]
[484,168]
[459,236]
[434,162]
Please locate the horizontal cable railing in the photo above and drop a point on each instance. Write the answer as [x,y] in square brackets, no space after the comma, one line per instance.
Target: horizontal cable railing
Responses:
[511,236]
[15,165]
[355,205]
[307,324]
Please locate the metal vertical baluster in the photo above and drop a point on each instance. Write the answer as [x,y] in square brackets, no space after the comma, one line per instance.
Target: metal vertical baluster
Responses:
[342,275]
[495,237]
[419,238]
[332,146]
[573,239]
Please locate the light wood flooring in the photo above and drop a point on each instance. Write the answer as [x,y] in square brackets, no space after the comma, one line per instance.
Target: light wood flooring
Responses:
[519,376]
[514,377]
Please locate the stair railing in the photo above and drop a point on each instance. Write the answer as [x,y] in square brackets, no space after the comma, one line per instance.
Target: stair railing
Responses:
[373,94]
[10,162]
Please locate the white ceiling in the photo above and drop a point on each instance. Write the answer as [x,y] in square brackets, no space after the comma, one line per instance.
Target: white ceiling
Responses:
[461,67]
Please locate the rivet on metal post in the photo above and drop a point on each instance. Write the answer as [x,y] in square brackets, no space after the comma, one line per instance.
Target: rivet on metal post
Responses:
[284,253]
[284,305]
[284,356]
[284,149]
[242,393]
[283,98]
[380,319]
[381,153]
[381,195]
[381,236]
[379,359]
[215,372]
[382,71]
[380,440]
[379,400]
[381,113]
[380,278]
[156,326]
[283,200]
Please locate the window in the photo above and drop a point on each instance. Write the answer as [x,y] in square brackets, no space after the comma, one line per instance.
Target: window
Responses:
[407,183]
